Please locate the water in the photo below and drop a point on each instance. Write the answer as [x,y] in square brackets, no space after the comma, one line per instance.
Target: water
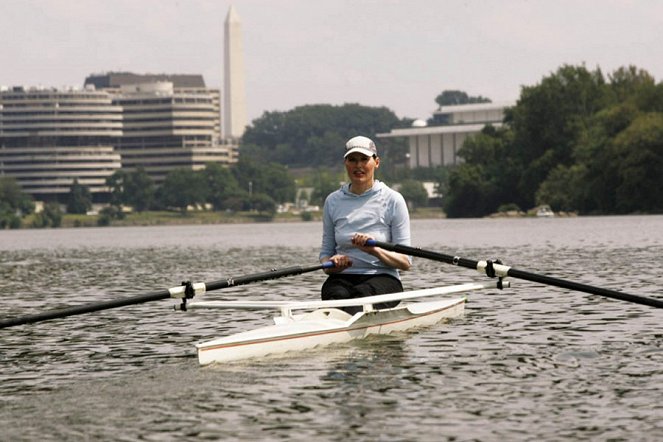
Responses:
[532,362]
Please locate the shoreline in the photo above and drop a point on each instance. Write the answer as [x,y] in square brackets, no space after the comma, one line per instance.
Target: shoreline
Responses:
[164,218]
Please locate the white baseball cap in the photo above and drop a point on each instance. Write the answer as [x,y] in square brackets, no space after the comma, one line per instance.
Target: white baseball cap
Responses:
[362,145]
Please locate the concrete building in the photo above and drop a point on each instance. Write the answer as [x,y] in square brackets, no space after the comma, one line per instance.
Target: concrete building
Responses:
[438,145]
[170,121]
[234,110]
[166,128]
[49,138]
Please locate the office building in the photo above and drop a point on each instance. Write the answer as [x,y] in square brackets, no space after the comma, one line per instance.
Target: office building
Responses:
[50,137]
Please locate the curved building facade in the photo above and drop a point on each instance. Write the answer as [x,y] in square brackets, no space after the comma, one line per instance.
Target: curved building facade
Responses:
[50,137]
[165,128]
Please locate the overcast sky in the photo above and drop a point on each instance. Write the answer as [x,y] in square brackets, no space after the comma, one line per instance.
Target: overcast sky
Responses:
[395,53]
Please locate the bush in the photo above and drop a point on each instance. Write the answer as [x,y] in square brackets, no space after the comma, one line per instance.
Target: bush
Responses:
[510,207]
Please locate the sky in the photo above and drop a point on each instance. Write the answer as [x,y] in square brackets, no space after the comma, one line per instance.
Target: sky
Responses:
[399,54]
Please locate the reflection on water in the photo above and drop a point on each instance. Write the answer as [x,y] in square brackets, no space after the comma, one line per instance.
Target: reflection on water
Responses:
[529,362]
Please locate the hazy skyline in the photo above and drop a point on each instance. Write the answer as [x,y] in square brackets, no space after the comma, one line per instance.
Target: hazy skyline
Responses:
[398,54]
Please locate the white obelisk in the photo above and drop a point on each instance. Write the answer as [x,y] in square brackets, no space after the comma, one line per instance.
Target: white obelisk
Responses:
[234,109]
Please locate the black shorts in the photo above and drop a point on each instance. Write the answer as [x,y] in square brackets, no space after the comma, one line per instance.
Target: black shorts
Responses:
[339,286]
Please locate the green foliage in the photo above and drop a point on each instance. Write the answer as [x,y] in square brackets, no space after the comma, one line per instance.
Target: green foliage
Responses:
[263,177]
[263,204]
[454,97]
[108,214]
[221,184]
[135,189]
[414,193]
[51,216]
[576,142]
[509,207]
[79,199]
[14,204]
[182,188]
[14,198]
[563,189]
[8,217]
[324,183]
[548,120]
[487,170]
[471,194]
[638,153]
[315,134]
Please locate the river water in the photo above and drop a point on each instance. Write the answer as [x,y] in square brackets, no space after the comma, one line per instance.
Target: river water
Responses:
[532,362]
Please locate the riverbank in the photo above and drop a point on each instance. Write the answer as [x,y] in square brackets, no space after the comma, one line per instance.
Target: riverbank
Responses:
[159,218]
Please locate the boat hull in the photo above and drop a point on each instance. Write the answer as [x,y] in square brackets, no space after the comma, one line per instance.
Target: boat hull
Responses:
[324,327]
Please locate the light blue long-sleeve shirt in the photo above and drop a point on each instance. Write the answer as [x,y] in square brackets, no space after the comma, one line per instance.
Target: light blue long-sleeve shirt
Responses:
[380,212]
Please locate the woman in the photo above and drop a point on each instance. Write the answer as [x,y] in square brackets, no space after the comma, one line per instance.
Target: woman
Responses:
[363,209]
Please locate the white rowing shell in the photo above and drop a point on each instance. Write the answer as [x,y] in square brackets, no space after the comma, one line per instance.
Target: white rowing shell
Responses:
[365,301]
[330,325]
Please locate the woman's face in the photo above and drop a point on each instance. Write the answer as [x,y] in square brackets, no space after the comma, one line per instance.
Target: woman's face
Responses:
[361,168]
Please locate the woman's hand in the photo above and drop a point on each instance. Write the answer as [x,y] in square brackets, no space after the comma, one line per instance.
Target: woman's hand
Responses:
[341,262]
[359,241]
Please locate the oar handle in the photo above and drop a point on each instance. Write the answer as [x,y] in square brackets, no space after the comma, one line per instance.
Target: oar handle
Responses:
[502,270]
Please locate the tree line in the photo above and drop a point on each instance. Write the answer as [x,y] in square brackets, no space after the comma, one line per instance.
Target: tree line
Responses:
[578,141]
[246,186]
[315,135]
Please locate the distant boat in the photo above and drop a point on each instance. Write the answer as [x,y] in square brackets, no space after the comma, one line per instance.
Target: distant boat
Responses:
[545,212]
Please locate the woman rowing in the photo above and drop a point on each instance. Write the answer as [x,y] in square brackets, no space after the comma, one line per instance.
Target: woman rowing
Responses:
[363,209]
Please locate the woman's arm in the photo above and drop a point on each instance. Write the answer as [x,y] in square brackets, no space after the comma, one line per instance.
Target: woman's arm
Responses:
[392,259]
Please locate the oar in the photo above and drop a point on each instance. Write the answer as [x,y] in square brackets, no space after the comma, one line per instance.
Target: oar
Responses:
[495,269]
[184,291]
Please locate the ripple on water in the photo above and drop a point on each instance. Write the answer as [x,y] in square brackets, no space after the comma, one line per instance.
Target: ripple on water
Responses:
[530,362]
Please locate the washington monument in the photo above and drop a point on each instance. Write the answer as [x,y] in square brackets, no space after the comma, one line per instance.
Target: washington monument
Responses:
[234,109]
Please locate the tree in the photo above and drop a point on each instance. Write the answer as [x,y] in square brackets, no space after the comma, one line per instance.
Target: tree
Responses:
[182,188]
[14,197]
[563,189]
[547,122]
[324,183]
[79,199]
[116,182]
[263,204]
[51,216]
[314,134]
[221,184]
[455,97]
[487,161]
[139,190]
[265,177]
[638,157]
[135,189]
[414,193]
[8,217]
[471,196]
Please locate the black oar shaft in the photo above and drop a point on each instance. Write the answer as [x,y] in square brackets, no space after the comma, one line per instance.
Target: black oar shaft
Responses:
[520,274]
[272,274]
[608,293]
[85,308]
[157,295]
